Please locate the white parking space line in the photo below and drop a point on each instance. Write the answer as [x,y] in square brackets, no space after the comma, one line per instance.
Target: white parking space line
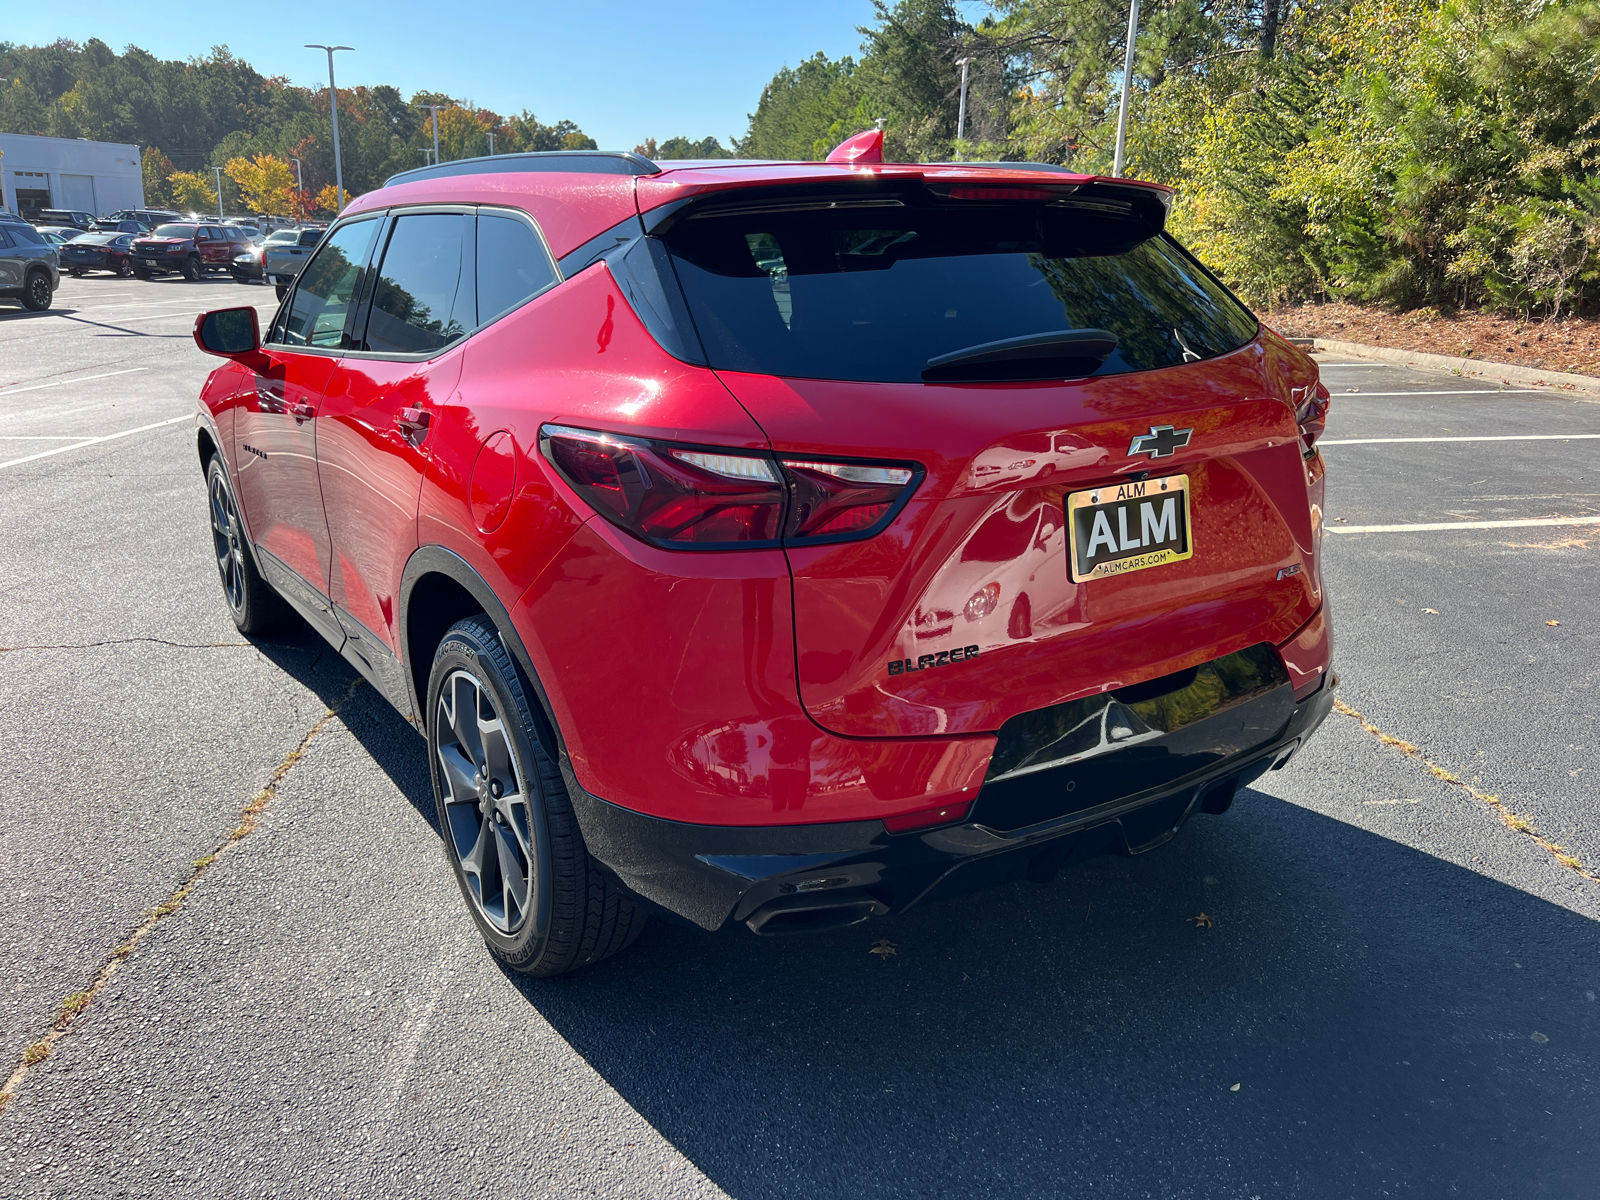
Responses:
[1358,394]
[40,437]
[1504,437]
[62,382]
[1437,526]
[95,441]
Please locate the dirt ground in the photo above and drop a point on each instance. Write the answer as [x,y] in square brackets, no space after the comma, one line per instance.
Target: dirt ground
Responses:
[1570,344]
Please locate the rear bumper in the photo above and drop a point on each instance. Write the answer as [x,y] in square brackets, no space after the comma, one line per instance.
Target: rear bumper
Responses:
[795,878]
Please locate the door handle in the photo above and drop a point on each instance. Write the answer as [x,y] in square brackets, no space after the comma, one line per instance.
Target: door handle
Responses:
[413,424]
[301,411]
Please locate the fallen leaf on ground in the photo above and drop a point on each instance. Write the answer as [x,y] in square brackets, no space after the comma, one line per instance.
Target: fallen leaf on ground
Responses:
[1552,622]
[1203,921]
[1538,1037]
[1434,611]
[883,948]
[1234,1088]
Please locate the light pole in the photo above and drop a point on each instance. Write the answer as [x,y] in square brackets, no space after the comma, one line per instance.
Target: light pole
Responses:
[1127,84]
[961,113]
[434,108]
[218,170]
[333,93]
[491,143]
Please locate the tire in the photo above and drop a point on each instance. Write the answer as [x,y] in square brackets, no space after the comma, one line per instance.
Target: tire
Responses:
[542,905]
[37,294]
[124,268]
[191,269]
[254,606]
[76,272]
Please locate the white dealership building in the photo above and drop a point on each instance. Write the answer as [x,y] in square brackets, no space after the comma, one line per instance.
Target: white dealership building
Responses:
[72,173]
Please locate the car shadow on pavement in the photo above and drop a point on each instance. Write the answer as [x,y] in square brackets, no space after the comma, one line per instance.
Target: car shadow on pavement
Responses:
[371,720]
[1351,1018]
[1392,1023]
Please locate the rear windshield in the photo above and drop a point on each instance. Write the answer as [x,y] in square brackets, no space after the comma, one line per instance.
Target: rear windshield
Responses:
[874,290]
[176,231]
[284,237]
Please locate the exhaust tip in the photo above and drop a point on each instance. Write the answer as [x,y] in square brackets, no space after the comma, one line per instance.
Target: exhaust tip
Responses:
[814,913]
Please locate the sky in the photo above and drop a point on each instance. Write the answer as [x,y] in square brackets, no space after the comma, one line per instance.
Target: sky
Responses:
[624,70]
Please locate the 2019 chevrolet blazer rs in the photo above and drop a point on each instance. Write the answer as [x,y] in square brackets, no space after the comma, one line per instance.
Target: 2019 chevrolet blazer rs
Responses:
[779,543]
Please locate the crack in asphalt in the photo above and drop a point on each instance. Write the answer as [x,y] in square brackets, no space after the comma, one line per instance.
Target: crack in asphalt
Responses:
[1508,818]
[75,1005]
[127,642]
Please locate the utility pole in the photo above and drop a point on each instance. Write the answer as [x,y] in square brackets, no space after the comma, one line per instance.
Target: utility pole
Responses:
[961,113]
[1127,84]
[218,170]
[299,176]
[491,143]
[434,108]
[333,92]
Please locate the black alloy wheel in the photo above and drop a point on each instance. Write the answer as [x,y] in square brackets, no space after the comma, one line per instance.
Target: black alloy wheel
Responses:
[252,603]
[124,268]
[37,294]
[538,900]
[191,269]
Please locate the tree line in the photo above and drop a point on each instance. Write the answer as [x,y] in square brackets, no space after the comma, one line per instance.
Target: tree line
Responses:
[217,110]
[1412,152]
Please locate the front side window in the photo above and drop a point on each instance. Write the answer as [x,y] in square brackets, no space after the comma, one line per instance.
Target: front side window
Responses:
[513,264]
[423,296]
[325,292]
[875,290]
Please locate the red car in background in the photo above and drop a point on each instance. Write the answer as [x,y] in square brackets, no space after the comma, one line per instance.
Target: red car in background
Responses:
[98,252]
[187,248]
[780,543]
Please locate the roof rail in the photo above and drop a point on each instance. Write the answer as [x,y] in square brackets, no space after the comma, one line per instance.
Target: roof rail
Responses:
[593,162]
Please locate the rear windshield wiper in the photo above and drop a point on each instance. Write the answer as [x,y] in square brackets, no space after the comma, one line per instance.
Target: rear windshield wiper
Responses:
[1062,354]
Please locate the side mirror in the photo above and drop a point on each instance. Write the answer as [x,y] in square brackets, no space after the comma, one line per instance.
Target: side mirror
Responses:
[231,333]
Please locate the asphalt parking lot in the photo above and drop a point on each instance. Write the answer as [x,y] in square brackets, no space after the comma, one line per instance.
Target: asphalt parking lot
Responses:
[1393,991]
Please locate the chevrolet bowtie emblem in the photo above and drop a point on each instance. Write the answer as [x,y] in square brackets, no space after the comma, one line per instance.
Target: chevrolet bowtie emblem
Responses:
[1163,441]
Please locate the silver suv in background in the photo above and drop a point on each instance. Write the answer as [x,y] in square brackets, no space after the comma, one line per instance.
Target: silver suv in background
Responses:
[30,269]
[286,251]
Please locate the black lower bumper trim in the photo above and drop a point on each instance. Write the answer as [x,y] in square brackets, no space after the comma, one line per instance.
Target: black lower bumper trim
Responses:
[712,874]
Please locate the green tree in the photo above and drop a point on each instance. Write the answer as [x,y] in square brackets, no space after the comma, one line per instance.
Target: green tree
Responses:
[192,191]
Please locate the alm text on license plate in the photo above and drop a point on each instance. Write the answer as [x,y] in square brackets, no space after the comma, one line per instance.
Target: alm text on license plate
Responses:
[1128,526]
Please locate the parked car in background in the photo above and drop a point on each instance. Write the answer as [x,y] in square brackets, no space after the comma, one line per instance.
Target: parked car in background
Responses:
[61,233]
[126,225]
[29,267]
[189,249]
[150,216]
[99,252]
[943,523]
[55,237]
[65,216]
[287,251]
[247,265]
[250,230]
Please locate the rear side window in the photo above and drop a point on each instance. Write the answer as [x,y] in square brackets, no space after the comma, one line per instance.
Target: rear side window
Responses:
[325,292]
[28,234]
[513,264]
[5,240]
[423,297]
[310,237]
[873,291]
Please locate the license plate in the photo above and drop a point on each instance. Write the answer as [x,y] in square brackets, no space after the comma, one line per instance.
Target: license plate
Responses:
[1125,527]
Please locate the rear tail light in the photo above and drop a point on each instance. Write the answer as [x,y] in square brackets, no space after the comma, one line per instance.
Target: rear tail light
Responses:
[1311,412]
[716,498]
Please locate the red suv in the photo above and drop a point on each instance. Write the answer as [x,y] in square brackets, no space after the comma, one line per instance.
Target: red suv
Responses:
[187,248]
[780,543]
